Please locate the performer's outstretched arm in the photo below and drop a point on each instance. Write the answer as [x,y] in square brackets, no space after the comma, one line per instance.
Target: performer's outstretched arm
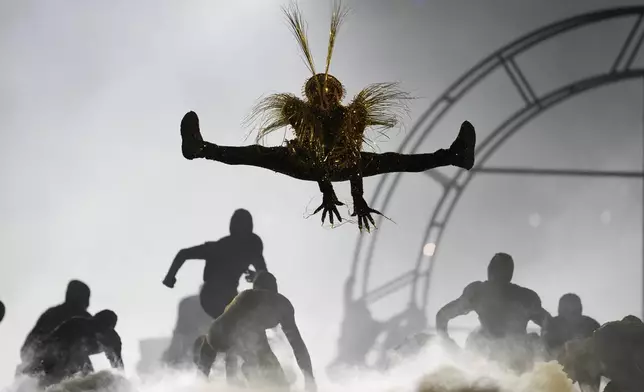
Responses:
[195,253]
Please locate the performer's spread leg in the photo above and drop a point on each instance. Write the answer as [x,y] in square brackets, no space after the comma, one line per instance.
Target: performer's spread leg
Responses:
[277,159]
[459,154]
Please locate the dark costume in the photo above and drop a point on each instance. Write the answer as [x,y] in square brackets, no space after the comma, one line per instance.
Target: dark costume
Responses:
[226,261]
[2,311]
[327,146]
[614,351]
[75,305]
[242,329]
[66,351]
[504,310]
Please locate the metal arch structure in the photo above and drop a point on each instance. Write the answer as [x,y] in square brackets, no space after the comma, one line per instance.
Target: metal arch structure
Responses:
[454,186]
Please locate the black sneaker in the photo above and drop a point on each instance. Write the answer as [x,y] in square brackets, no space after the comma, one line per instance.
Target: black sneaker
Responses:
[191,141]
[463,147]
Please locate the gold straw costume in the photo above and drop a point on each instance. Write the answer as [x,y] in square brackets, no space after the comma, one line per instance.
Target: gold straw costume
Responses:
[327,146]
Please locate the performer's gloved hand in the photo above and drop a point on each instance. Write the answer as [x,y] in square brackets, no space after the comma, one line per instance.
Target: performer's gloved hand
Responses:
[329,204]
[169,281]
[362,210]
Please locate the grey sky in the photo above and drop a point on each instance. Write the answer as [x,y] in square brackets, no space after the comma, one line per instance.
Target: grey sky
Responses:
[94,185]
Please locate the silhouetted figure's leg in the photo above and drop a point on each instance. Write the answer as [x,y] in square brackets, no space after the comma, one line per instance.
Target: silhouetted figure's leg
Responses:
[261,366]
[215,296]
[232,364]
[204,355]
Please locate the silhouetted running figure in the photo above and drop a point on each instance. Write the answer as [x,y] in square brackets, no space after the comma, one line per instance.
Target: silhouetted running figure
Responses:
[75,305]
[329,136]
[192,322]
[66,351]
[399,329]
[2,311]
[504,310]
[569,324]
[359,332]
[615,351]
[242,330]
[226,261]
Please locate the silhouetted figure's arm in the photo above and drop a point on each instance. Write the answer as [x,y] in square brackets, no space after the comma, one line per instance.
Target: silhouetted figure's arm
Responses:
[459,307]
[198,252]
[259,263]
[289,327]
[111,344]
[592,323]
[45,324]
[538,314]
[552,335]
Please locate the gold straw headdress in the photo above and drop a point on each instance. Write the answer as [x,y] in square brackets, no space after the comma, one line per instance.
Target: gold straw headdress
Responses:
[378,105]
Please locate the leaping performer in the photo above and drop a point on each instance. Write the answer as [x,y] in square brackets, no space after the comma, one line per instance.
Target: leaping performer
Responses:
[328,136]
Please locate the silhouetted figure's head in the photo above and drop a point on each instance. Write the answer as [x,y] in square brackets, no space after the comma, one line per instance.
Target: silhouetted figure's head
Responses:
[77,294]
[1,311]
[265,281]
[241,222]
[570,305]
[632,319]
[106,319]
[501,268]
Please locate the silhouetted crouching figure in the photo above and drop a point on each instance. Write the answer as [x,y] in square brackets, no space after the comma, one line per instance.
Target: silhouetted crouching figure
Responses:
[75,305]
[242,330]
[359,332]
[615,351]
[504,310]
[66,351]
[192,322]
[568,325]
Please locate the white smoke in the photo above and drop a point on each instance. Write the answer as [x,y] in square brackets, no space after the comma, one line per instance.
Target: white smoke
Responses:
[432,370]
